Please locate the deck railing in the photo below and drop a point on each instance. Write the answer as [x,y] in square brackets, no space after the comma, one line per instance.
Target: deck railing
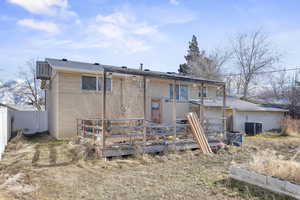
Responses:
[130,130]
[124,134]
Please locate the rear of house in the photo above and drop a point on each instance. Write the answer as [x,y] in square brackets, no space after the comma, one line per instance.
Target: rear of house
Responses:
[74,91]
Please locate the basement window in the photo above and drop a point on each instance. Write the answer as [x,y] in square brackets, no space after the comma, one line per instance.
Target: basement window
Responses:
[88,83]
[181,92]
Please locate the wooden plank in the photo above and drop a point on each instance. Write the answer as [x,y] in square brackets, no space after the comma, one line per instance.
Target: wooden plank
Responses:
[194,131]
[202,133]
[199,131]
[193,123]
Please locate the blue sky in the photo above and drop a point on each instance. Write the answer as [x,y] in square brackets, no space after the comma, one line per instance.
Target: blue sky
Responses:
[153,32]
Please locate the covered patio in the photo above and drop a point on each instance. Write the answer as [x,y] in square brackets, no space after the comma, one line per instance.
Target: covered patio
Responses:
[125,136]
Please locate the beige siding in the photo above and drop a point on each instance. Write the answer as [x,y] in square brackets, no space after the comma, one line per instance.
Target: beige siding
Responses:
[79,104]
[160,89]
[67,102]
[52,105]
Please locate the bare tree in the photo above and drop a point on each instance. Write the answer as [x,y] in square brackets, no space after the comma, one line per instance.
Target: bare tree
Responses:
[215,63]
[279,84]
[233,84]
[31,87]
[293,97]
[253,53]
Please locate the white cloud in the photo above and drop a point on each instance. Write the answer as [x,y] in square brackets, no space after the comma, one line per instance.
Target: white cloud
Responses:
[125,23]
[122,30]
[44,7]
[174,2]
[146,30]
[46,26]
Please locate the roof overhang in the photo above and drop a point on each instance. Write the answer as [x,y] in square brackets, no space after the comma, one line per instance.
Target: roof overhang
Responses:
[99,68]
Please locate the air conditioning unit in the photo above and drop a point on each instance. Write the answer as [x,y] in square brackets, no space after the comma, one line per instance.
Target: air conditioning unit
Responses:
[43,70]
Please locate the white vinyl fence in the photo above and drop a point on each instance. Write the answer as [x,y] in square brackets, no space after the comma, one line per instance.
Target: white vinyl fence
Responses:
[5,128]
[36,121]
[12,120]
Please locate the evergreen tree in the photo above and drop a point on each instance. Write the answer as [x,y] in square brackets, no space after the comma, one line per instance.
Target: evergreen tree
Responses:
[193,50]
[183,69]
[198,64]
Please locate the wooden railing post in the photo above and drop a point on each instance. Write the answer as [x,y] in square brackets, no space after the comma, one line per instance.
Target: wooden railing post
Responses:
[103,110]
[145,112]
[202,106]
[174,113]
[224,105]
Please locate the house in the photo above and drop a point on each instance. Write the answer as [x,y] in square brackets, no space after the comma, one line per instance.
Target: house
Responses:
[243,111]
[238,112]
[78,91]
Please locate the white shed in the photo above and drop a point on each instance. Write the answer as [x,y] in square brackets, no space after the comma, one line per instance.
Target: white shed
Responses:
[244,111]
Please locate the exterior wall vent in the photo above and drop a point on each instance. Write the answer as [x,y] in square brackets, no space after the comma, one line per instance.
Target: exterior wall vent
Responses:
[43,70]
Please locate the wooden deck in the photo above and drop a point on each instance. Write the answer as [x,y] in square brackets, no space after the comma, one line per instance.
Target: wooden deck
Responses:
[134,136]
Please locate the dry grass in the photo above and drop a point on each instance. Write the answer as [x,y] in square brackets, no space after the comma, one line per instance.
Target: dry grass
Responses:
[268,162]
[290,127]
[64,171]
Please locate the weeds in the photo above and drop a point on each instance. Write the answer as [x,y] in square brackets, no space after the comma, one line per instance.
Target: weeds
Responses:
[269,163]
[290,127]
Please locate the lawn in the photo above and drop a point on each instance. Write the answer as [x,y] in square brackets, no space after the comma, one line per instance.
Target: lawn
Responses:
[42,168]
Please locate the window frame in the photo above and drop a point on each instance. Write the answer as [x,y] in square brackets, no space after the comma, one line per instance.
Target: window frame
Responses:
[178,91]
[111,84]
[200,92]
[81,82]
[97,83]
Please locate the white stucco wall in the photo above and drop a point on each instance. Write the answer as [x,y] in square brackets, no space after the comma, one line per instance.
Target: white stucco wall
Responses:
[269,120]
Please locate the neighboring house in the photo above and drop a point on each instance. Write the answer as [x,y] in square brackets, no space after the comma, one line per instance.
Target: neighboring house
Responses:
[238,112]
[74,91]
[244,111]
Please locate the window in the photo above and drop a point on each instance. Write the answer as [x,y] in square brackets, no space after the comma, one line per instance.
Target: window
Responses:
[108,84]
[88,83]
[181,92]
[204,91]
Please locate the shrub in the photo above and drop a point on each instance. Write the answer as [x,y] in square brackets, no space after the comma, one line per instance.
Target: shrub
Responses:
[271,164]
[290,127]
